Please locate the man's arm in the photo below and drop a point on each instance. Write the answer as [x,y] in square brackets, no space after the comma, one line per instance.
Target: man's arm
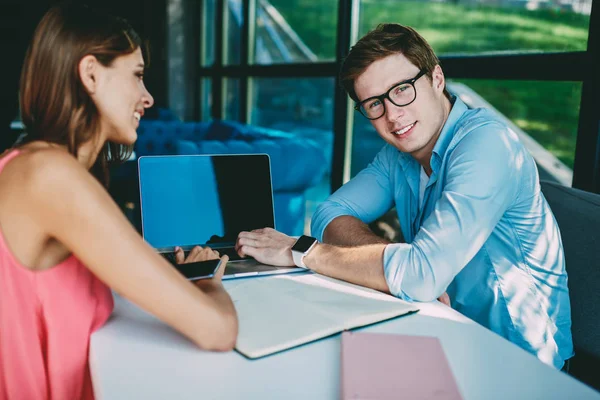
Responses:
[482,182]
[342,219]
[350,231]
[362,265]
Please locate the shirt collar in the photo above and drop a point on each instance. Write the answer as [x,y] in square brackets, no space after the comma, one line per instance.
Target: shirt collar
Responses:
[443,141]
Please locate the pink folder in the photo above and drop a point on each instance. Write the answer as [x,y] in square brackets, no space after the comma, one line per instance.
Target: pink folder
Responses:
[379,366]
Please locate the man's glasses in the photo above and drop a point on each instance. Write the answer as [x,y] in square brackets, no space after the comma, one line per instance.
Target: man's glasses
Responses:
[401,94]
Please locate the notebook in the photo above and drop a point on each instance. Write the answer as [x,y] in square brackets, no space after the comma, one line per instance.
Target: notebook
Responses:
[207,200]
[379,366]
[308,307]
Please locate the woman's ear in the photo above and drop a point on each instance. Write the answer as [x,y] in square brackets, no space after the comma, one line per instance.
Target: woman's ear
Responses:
[88,69]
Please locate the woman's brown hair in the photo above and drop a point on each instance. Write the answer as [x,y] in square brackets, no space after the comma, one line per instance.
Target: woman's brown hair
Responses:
[384,41]
[55,106]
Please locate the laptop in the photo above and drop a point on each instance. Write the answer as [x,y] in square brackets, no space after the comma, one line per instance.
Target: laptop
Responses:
[207,200]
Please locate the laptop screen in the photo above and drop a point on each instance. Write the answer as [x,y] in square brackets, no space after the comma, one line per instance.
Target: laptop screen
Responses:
[204,199]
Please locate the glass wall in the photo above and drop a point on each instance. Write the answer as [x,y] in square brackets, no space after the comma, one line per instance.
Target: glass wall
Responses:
[231,28]
[208,32]
[295,31]
[544,114]
[546,111]
[483,26]
[206,99]
[231,103]
[232,32]
[303,107]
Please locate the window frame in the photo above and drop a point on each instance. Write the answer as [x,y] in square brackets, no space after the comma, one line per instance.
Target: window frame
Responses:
[577,66]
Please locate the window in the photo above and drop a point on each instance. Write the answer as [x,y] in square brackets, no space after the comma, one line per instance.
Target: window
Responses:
[206,99]
[546,111]
[480,26]
[232,99]
[292,42]
[232,32]
[303,107]
[207,35]
[544,115]
[295,31]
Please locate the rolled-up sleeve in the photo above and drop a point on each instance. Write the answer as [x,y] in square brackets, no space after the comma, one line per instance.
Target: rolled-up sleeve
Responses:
[366,197]
[482,180]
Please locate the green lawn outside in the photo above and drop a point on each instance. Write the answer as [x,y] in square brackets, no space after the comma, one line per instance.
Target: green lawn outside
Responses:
[456,28]
[548,111]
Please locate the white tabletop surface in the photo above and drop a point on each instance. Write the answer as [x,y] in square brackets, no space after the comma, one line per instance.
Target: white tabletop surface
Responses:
[135,356]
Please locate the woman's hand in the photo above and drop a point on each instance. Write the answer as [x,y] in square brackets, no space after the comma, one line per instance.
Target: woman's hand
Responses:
[198,253]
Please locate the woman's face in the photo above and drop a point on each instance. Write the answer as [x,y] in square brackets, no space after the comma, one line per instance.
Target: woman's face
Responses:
[121,97]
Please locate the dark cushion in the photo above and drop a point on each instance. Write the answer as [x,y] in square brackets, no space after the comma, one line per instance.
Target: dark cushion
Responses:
[295,164]
[578,216]
[226,130]
[158,137]
[160,113]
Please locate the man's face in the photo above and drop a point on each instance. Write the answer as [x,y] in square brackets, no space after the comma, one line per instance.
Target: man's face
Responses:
[414,128]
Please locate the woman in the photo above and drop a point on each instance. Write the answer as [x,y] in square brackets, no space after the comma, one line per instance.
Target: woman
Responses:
[63,241]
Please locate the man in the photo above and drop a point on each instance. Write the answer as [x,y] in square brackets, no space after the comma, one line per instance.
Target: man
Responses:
[468,201]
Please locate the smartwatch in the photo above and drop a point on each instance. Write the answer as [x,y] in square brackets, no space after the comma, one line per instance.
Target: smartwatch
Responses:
[301,248]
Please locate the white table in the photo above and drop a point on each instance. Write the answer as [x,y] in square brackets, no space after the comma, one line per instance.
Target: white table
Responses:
[135,356]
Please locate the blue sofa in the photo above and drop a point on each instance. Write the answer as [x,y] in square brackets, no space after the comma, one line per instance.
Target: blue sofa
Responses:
[297,164]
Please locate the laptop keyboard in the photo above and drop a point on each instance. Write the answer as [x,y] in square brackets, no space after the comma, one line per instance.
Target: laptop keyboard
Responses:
[229,251]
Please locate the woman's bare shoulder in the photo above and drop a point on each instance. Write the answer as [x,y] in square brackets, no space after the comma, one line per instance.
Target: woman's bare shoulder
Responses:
[36,167]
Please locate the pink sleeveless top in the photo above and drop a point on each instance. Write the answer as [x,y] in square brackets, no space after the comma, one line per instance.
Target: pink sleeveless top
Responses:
[46,318]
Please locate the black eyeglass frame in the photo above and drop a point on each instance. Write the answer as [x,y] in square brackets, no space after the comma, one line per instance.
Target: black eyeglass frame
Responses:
[386,95]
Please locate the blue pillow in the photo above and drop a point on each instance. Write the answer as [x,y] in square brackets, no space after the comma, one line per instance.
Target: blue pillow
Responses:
[160,114]
[165,114]
[227,130]
[185,147]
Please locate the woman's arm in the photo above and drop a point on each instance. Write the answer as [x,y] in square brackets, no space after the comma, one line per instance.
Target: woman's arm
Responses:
[72,207]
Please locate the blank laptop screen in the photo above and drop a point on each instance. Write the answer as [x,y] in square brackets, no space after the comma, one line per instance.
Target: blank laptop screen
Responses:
[204,199]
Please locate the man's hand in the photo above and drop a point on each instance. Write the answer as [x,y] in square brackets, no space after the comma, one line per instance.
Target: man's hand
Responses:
[267,246]
[197,254]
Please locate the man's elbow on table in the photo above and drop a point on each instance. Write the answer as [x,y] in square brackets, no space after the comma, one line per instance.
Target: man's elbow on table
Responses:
[422,291]
[410,274]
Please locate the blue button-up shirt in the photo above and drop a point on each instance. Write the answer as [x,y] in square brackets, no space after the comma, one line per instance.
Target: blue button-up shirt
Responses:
[484,232]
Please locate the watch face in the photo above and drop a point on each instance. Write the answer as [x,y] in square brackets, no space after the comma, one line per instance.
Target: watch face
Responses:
[303,243]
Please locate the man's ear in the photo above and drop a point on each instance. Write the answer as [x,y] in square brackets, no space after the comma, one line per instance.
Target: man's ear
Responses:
[88,73]
[438,79]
